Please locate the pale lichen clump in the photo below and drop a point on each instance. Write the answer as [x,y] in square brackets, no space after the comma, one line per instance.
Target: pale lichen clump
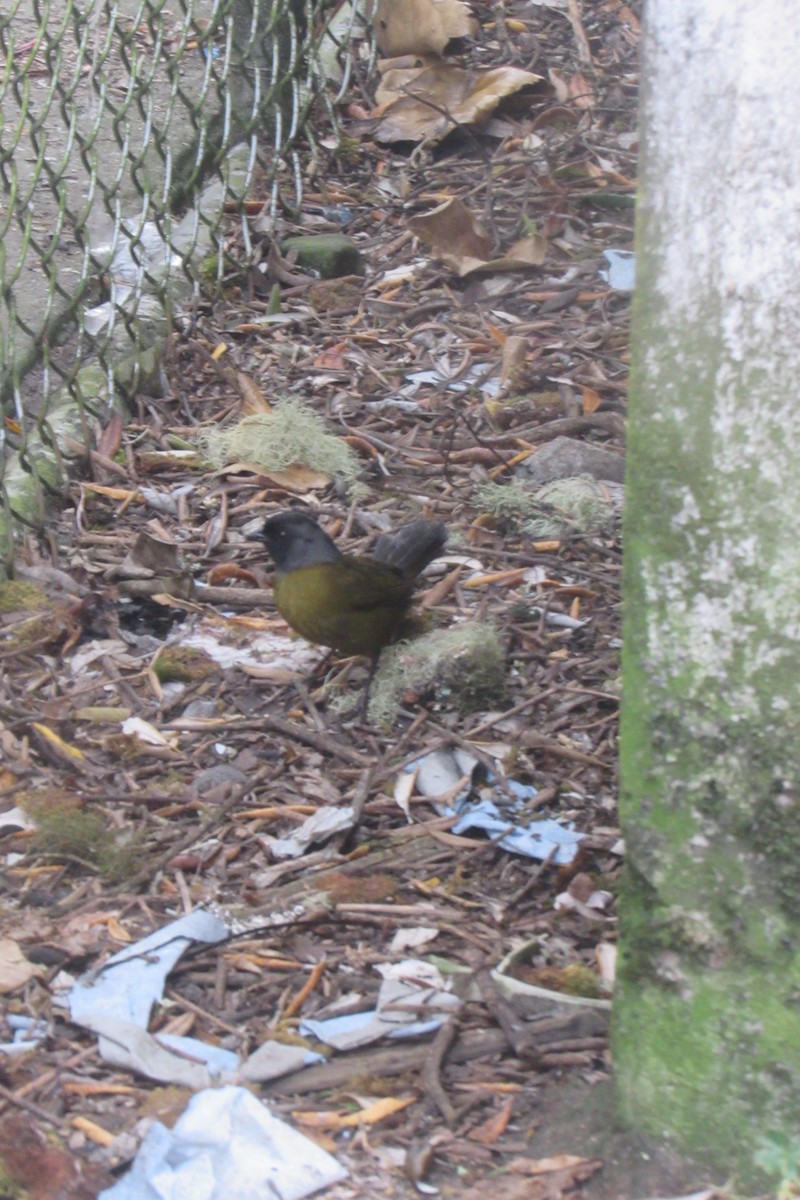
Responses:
[577,504]
[464,666]
[290,434]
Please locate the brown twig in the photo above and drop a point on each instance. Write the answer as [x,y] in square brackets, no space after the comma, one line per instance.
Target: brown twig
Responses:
[431,1072]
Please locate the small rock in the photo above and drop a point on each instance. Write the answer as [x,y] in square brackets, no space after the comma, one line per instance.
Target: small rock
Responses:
[565,457]
[217,784]
[201,708]
[331,255]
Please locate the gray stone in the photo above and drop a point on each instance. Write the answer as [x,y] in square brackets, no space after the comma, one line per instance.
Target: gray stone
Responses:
[565,457]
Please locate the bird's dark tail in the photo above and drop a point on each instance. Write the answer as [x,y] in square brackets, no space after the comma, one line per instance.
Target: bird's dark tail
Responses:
[411,548]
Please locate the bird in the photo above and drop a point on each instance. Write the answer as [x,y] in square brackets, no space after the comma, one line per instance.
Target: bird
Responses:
[353,604]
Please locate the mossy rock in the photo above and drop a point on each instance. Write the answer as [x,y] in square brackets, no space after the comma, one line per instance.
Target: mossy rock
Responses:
[184,664]
[464,668]
[331,255]
[17,595]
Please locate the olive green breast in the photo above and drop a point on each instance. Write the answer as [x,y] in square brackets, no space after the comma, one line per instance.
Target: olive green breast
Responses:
[353,605]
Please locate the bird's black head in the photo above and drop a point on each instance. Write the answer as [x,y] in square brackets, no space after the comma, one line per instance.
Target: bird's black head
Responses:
[294,539]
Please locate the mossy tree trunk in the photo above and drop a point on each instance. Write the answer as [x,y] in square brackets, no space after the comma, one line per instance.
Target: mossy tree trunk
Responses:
[707,1014]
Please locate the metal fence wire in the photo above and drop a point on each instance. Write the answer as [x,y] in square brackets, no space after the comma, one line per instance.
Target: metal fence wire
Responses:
[126,129]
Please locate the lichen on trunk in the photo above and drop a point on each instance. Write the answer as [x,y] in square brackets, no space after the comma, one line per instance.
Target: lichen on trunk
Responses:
[707,1015]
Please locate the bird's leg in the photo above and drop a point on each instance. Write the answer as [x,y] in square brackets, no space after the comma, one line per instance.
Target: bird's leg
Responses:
[338,676]
[321,669]
[373,666]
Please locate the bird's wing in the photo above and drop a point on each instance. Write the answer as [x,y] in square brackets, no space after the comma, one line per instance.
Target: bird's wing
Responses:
[372,585]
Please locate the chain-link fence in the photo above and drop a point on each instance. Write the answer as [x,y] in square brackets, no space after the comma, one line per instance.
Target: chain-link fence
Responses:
[127,127]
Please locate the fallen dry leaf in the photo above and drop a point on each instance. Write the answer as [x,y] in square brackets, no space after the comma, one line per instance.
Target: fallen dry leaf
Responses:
[526,253]
[94,1132]
[542,1166]
[253,399]
[61,750]
[512,360]
[420,26]
[403,791]
[426,104]
[332,358]
[296,478]
[581,40]
[110,439]
[452,230]
[458,239]
[379,1111]
[117,931]
[590,400]
[581,92]
[15,970]
[576,90]
[143,731]
[492,1130]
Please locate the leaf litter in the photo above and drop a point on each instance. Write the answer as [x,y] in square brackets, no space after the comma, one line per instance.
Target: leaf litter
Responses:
[197,773]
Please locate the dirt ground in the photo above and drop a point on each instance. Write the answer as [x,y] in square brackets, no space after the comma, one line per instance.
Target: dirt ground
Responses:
[136,824]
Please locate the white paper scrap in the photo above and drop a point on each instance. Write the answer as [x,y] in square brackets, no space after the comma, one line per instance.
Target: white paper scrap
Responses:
[116,1002]
[132,981]
[128,1046]
[27,1032]
[409,991]
[227,1145]
[319,827]
[273,1059]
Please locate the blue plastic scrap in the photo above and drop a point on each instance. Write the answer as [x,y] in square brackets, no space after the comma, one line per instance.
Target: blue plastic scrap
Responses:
[488,807]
